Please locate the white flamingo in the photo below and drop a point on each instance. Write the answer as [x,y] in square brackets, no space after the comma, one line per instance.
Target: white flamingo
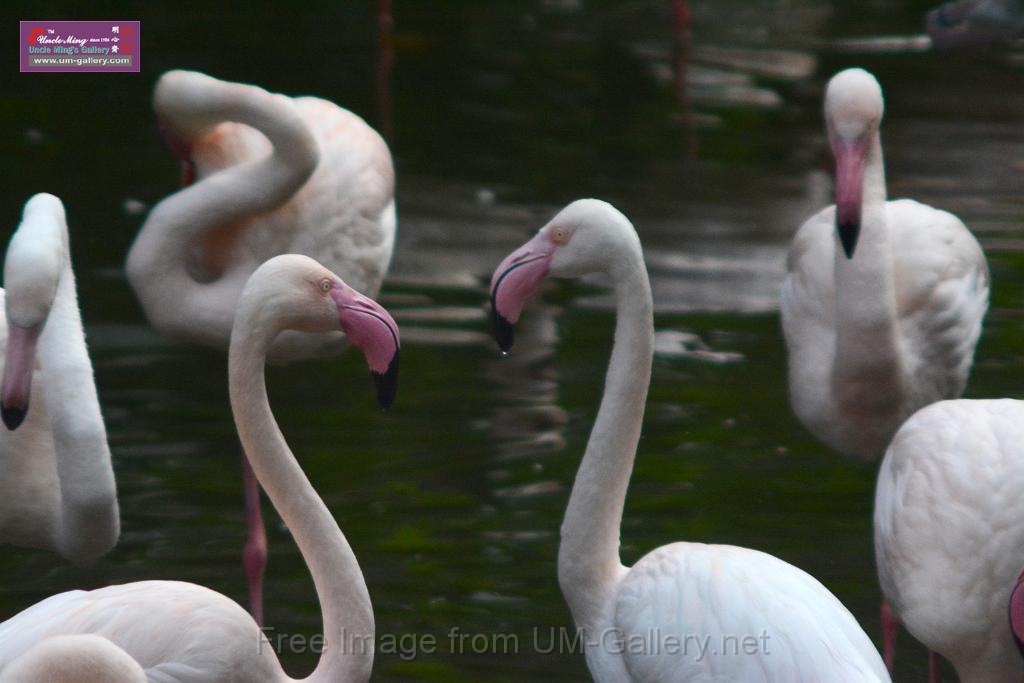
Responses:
[184,633]
[883,303]
[57,488]
[265,175]
[949,534]
[671,615]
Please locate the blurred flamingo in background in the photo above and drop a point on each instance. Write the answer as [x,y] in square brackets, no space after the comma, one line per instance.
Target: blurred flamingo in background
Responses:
[186,633]
[57,488]
[264,174]
[884,300]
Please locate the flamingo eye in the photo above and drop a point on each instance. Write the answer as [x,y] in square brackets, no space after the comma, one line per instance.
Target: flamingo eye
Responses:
[325,285]
[559,235]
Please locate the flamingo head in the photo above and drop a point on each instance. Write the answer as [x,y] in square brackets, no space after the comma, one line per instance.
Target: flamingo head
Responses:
[296,293]
[32,270]
[587,236]
[1017,613]
[853,114]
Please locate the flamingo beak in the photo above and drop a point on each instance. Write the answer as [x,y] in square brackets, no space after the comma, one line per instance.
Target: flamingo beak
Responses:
[19,362]
[515,280]
[1017,613]
[850,157]
[372,329]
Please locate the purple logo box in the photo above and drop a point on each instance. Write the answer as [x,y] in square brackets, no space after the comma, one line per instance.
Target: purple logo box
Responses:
[80,46]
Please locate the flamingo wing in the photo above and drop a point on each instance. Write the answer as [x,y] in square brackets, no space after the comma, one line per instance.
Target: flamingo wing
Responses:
[942,289]
[740,615]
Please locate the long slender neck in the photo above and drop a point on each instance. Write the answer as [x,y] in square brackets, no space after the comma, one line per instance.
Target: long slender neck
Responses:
[89,519]
[588,558]
[866,338]
[347,613]
[157,264]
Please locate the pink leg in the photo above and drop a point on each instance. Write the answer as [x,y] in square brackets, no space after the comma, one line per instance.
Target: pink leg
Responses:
[933,668]
[254,557]
[681,14]
[890,628]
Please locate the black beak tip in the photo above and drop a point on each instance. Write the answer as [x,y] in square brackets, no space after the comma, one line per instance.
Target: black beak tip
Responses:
[387,383]
[504,332]
[848,233]
[12,416]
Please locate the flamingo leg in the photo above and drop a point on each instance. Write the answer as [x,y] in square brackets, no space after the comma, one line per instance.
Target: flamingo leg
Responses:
[890,629]
[933,668]
[254,557]
[681,14]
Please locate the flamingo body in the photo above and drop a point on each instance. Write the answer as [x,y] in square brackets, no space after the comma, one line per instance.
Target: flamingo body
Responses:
[343,216]
[940,295]
[949,537]
[759,620]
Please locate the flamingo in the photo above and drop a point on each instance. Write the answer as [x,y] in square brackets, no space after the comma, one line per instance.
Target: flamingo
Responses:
[949,541]
[57,489]
[184,633]
[699,595]
[883,302]
[264,175]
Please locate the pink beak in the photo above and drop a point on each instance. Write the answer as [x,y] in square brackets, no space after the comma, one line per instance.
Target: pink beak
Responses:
[372,329]
[516,279]
[850,157]
[19,363]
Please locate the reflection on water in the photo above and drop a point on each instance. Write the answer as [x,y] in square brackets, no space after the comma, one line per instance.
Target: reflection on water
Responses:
[501,113]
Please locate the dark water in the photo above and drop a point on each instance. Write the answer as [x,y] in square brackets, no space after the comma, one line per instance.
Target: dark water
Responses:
[501,113]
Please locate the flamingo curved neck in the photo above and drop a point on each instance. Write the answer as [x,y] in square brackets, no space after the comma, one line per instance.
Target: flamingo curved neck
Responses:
[157,265]
[589,567]
[867,355]
[89,522]
[347,612]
